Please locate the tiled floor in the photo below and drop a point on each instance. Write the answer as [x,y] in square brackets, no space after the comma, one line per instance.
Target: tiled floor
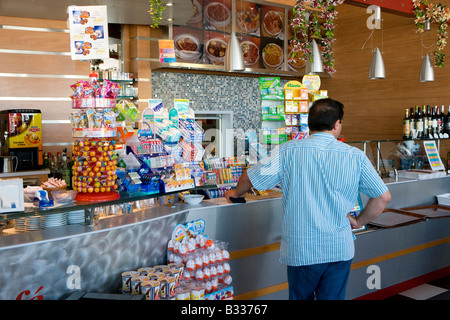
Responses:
[435,290]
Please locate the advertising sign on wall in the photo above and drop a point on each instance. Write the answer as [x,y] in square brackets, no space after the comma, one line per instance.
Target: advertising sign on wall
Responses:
[88,27]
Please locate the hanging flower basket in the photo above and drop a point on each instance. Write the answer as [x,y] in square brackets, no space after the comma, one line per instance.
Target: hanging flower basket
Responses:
[437,13]
[319,26]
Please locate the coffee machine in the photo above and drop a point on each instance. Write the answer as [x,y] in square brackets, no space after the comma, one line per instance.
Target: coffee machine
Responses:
[21,137]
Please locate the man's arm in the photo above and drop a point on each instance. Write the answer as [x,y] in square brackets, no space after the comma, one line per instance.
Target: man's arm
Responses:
[243,186]
[373,209]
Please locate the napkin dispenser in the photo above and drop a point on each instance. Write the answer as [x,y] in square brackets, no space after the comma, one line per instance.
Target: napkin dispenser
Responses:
[11,195]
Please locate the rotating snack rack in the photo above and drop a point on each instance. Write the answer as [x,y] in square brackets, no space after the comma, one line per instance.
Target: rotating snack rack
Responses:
[94,156]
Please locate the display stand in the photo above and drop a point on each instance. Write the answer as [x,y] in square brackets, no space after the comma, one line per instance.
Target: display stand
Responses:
[296,106]
[94,156]
[272,110]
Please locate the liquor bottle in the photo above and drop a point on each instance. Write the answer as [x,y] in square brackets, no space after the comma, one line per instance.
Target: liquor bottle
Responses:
[439,122]
[412,123]
[46,163]
[66,169]
[434,122]
[443,125]
[406,128]
[419,123]
[430,122]
[447,121]
[425,121]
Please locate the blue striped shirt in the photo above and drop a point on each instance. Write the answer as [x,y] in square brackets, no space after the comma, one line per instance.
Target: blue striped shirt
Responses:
[321,178]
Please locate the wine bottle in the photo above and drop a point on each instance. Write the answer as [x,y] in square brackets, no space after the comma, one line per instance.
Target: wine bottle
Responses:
[419,122]
[412,123]
[425,121]
[430,122]
[434,122]
[406,128]
[439,122]
[447,121]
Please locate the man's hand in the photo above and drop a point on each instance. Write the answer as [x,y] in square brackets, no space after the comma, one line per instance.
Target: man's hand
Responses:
[231,194]
[243,186]
[353,222]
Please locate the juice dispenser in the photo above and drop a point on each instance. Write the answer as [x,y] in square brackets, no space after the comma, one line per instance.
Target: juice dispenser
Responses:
[21,136]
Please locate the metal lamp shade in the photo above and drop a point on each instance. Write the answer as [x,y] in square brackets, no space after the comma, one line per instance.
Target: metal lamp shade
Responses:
[426,70]
[376,70]
[316,66]
[234,58]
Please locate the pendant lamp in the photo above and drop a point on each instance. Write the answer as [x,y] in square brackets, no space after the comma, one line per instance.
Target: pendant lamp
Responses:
[316,66]
[426,70]
[234,58]
[376,70]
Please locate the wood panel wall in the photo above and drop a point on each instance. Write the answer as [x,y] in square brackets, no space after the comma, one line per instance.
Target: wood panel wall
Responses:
[374,109]
[36,72]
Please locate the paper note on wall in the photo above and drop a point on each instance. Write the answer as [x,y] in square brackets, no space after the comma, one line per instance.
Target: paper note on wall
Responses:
[433,156]
[88,27]
[166,51]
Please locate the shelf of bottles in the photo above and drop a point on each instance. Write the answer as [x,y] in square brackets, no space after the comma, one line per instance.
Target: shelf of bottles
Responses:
[426,122]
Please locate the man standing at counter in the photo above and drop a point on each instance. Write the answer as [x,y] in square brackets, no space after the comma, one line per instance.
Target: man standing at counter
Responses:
[321,178]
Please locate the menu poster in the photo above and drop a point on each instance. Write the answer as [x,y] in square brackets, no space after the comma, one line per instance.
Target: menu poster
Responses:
[166,51]
[88,27]
[433,156]
[259,28]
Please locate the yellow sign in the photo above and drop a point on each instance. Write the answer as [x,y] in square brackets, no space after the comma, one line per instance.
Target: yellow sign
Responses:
[25,130]
[312,82]
[293,84]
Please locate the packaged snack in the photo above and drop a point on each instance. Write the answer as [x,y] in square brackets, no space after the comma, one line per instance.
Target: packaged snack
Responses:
[98,119]
[75,119]
[109,118]
[90,118]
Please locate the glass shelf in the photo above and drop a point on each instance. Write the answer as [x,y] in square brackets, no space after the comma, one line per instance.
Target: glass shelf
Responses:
[87,206]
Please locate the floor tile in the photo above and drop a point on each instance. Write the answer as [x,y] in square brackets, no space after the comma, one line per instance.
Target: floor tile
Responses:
[442,283]
[442,296]
[398,297]
[423,292]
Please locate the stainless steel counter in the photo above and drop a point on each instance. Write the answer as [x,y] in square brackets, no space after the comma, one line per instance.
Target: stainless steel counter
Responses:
[102,252]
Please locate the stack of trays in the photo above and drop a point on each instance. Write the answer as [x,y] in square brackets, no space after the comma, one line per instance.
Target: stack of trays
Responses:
[20,224]
[54,220]
[28,224]
[74,217]
[33,223]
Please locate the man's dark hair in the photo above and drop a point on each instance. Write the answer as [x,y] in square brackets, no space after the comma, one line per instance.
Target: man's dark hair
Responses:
[324,113]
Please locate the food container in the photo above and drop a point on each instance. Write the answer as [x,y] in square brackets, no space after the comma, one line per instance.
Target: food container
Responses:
[126,280]
[193,198]
[176,274]
[182,294]
[170,288]
[197,293]
[150,289]
[63,196]
[136,284]
[163,288]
